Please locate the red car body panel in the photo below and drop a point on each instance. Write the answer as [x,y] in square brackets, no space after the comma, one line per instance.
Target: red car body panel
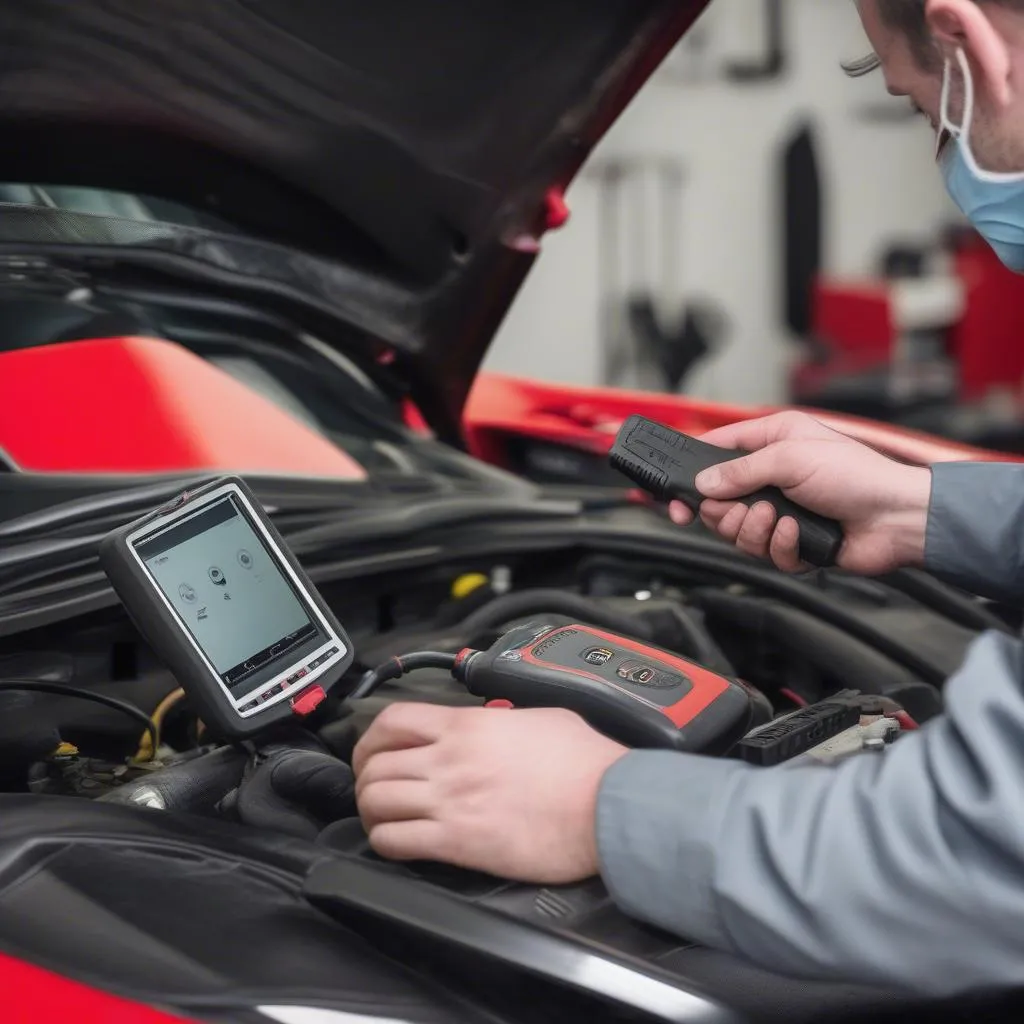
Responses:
[142,405]
[139,405]
[35,996]
[503,407]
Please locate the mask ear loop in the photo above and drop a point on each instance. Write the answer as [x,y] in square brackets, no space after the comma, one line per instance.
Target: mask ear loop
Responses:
[962,134]
[947,131]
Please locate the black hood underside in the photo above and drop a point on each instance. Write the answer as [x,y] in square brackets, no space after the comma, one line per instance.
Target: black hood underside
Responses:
[410,142]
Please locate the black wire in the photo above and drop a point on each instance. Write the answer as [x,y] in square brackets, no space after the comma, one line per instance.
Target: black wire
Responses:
[60,690]
[398,667]
[702,646]
[798,594]
[947,602]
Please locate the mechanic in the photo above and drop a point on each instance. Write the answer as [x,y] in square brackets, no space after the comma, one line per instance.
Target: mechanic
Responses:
[905,870]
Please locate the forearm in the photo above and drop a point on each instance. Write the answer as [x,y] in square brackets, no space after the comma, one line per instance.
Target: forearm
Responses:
[975,533]
[905,868]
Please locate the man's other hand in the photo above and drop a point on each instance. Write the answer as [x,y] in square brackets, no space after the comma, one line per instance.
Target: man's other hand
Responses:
[508,792]
[882,504]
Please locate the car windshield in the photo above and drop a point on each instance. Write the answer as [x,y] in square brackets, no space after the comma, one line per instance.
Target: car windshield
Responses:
[107,203]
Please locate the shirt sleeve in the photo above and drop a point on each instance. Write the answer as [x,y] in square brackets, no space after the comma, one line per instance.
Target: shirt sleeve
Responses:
[975,535]
[903,868]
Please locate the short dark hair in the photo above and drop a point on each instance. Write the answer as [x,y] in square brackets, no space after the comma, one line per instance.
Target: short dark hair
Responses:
[908,17]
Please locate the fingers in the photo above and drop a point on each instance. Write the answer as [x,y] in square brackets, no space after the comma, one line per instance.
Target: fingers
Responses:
[410,765]
[381,803]
[756,531]
[784,550]
[752,435]
[729,522]
[399,727]
[680,514]
[410,840]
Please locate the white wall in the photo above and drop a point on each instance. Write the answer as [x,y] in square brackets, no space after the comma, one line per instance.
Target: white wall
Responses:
[880,186]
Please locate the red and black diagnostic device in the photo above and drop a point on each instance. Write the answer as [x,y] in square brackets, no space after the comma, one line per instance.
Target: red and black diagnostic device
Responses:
[636,694]
[666,463]
[213,587]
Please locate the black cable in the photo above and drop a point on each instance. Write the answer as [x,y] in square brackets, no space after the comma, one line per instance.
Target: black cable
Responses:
[702,648]
[60,690]
[947,602]
[551,602]
[398,667]
[798,594]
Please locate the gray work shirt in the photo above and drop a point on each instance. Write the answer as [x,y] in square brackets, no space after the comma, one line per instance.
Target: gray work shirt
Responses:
[905,870]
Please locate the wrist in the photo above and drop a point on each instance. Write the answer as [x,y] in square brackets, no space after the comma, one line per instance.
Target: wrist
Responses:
[906,523]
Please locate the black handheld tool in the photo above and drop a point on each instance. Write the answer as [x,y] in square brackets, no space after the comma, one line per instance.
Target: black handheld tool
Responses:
[637,694]
[666,463]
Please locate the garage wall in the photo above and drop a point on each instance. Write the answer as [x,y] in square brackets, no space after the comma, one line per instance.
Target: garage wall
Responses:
[880,180]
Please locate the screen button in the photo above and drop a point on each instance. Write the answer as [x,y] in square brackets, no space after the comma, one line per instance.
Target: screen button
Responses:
[217,577]
[244,559]
[186,593]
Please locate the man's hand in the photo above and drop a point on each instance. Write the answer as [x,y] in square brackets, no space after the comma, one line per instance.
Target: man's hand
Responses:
[882,504]
[511,793]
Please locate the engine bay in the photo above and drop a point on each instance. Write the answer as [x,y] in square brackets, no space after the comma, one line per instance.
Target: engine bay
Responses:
[871,653]
[794,658]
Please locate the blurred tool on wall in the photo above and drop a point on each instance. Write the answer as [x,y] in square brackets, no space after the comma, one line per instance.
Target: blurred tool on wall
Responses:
[745,43]
[652,338]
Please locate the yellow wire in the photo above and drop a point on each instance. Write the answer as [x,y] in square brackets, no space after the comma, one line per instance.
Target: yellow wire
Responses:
[146,750]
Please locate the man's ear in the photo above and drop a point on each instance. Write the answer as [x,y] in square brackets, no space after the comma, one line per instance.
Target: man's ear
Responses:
[964,25]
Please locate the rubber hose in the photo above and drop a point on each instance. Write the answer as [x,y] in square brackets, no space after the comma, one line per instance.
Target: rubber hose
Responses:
[802,596]
[402,665]
[195,786]
[554,602]
[947,602]
[700,646]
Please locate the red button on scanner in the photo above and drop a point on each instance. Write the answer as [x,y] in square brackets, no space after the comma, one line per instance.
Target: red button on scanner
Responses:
[308,701]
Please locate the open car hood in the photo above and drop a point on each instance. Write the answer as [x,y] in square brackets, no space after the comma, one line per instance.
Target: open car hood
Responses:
[420,146]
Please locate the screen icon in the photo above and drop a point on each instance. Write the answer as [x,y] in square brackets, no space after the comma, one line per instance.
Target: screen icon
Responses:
[202,614]
[217,577]
[244,559]
[598,656]
[186,593]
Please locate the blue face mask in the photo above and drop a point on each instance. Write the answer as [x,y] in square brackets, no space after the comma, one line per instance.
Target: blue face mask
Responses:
[993,202]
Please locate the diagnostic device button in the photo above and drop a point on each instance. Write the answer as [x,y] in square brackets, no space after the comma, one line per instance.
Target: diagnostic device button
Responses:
[309,700]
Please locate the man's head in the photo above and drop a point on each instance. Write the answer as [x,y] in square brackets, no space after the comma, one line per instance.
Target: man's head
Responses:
[913,39]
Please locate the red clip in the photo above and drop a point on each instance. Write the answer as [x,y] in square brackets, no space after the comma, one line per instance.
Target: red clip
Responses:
[505,705]
[308,701]
[556,210]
